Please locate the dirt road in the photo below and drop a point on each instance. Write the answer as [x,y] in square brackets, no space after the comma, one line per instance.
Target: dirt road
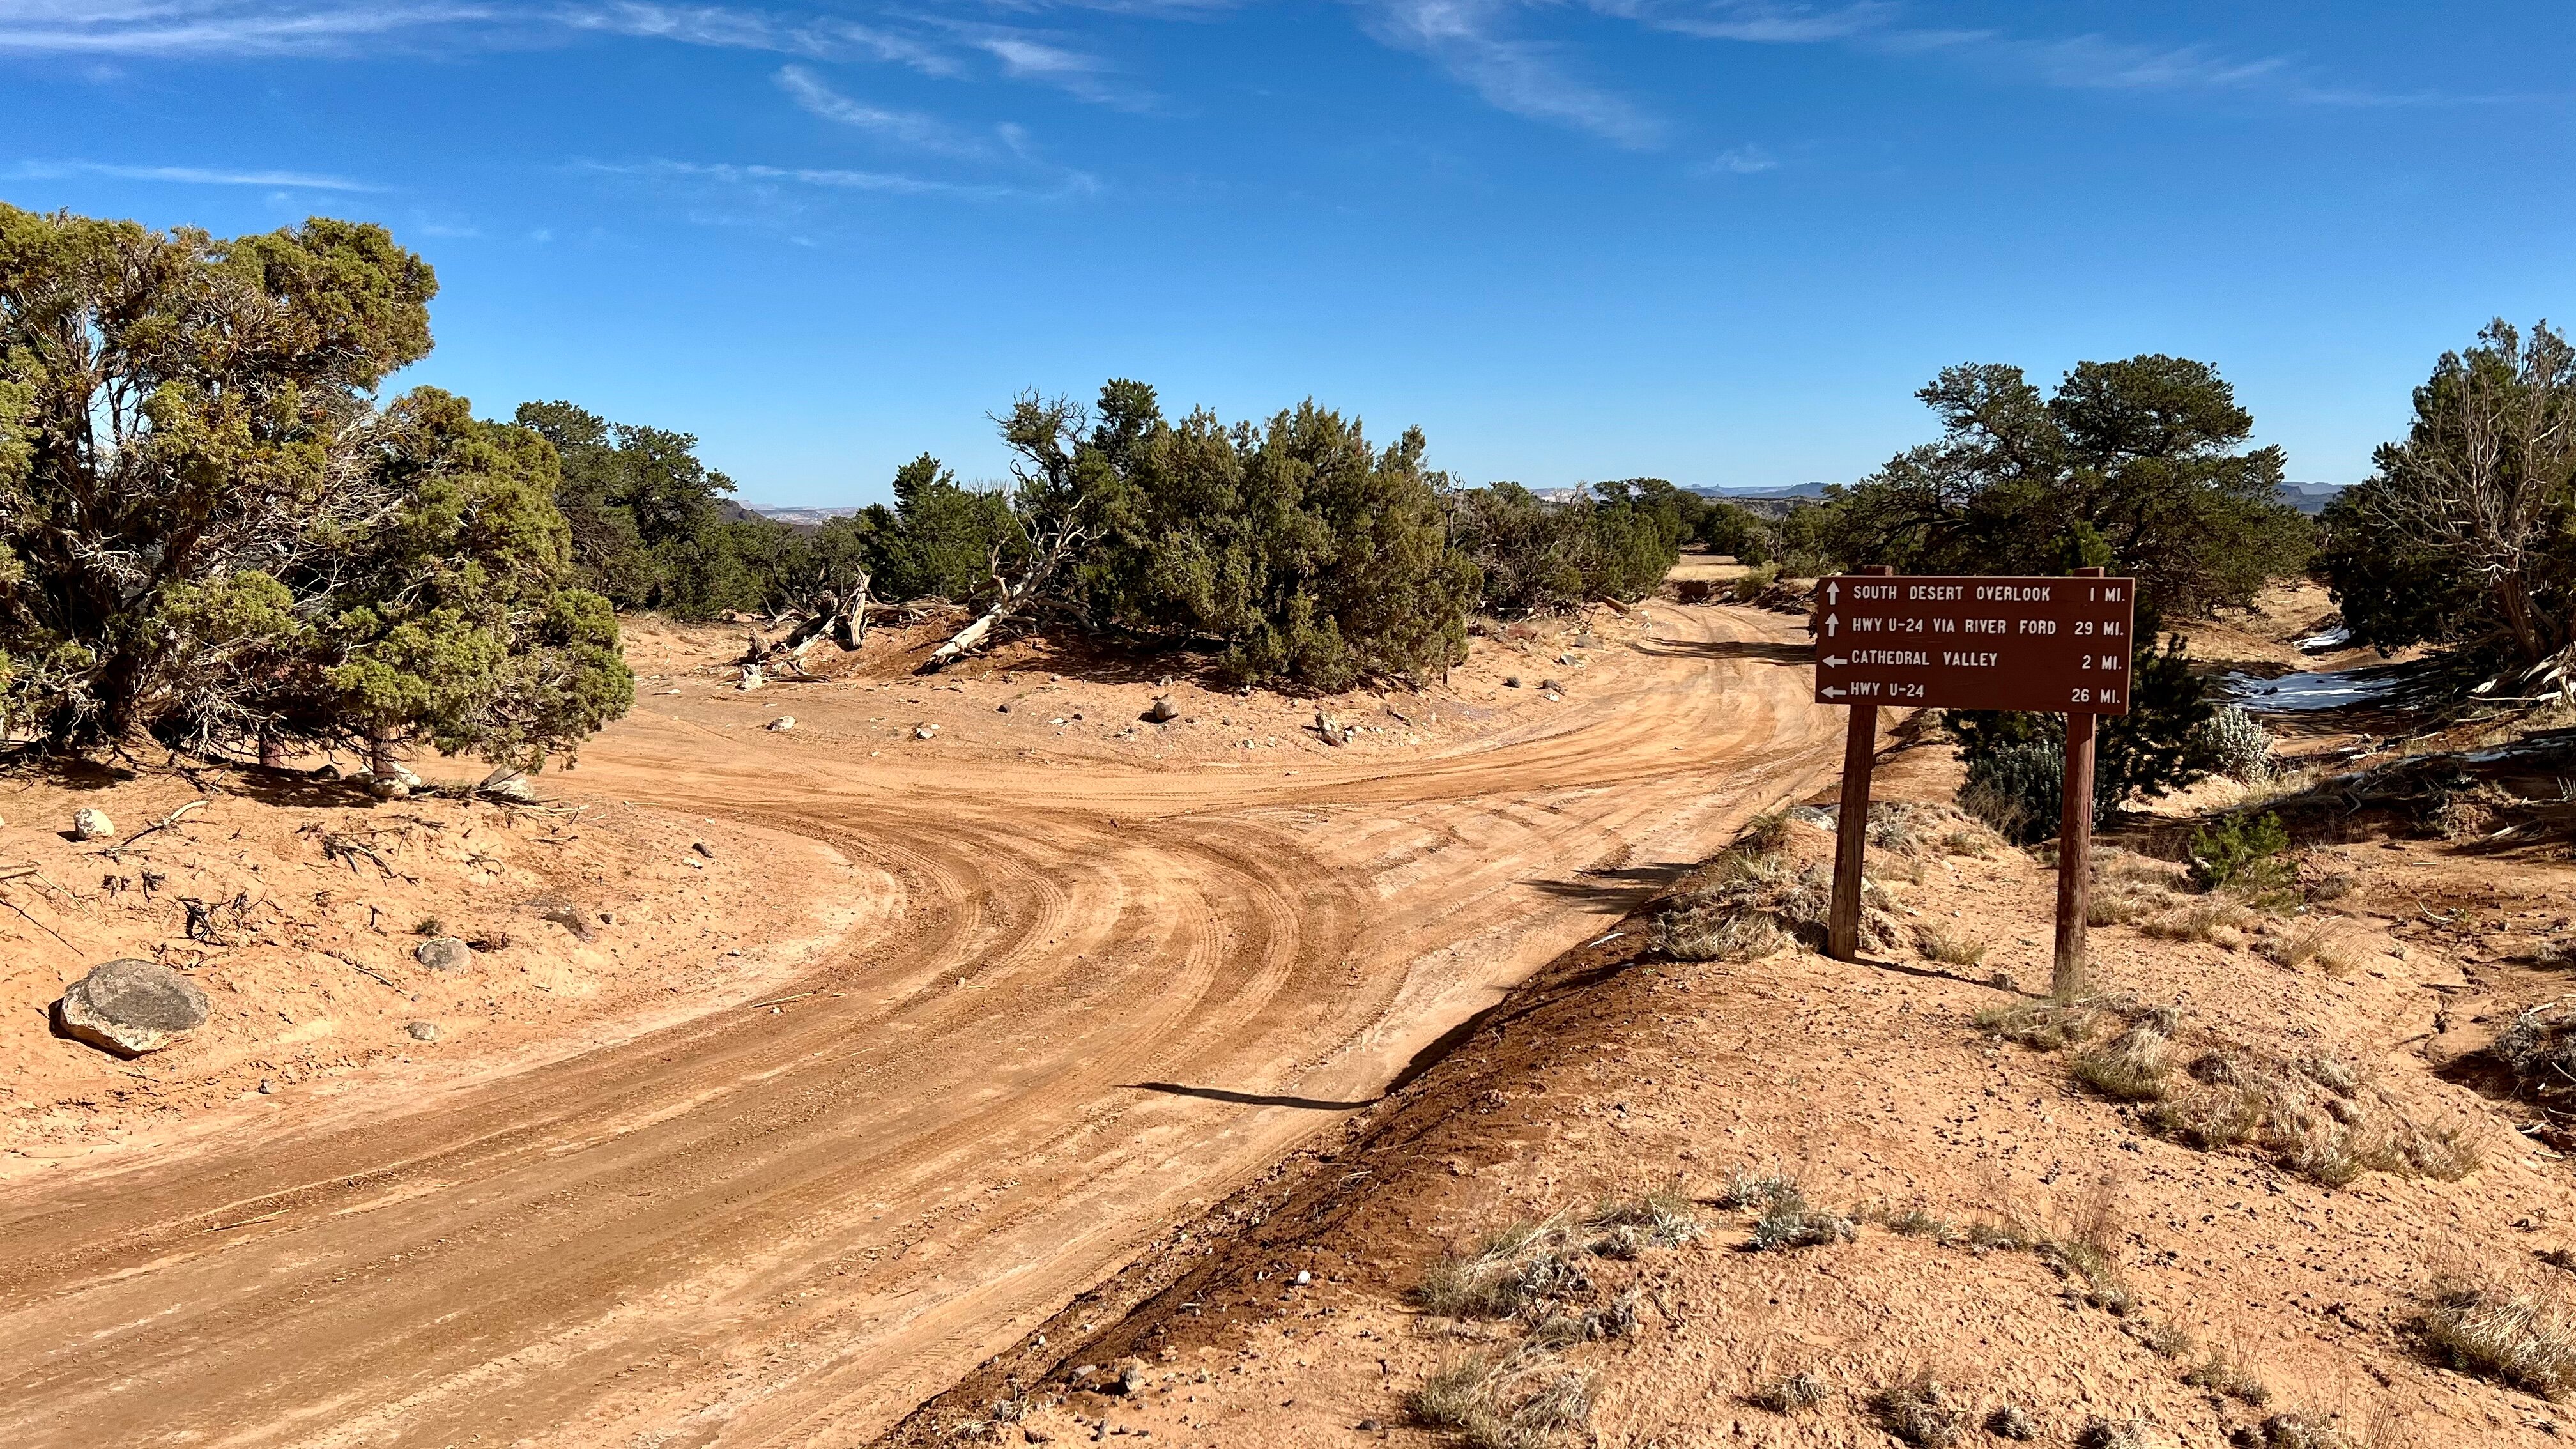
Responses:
[1102,997]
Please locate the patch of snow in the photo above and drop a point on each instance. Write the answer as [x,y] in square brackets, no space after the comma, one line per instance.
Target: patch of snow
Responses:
[2293,693]
[2334,638]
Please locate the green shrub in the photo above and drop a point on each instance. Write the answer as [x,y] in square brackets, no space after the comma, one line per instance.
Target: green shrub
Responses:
[2237,744]
[2242,853]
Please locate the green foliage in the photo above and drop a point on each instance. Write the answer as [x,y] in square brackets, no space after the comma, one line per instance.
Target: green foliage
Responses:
[2018,787]
[2161,745]
[2466,529]
[2137,465]
[940,540]
[462,626]
[651,527]
[208,534]
[1294,547]
[2241,852]
[1618,541]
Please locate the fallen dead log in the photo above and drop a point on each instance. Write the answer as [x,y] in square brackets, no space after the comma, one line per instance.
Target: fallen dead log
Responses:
[1015,594]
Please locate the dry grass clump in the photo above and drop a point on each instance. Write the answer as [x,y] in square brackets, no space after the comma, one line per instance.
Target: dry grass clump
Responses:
[1783,1218]
[2011,1421]
[2084,1245]
[2540,1049]
[2292,1430]
[1746,906]
[1657,1218]
[2328,943]
[1504,1403]
[1923,1411]
[2522,1339]
[2229,1372]
[2212,919]
[1949,946]
[2132,1066]
[2314,1115]
[2164,1340]
[1788,1393]
[1522,1271]
[2042,1025]
[2115,1434]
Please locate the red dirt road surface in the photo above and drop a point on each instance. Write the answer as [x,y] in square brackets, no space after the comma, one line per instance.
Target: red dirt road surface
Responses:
[1104,992]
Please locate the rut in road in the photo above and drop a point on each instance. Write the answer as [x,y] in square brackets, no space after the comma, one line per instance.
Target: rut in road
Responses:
[788,1228]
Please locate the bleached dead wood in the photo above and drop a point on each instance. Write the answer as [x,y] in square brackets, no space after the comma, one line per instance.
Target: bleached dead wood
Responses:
[1014,595]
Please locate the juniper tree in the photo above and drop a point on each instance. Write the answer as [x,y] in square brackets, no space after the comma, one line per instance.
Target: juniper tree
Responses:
[2466,528]
[210,536]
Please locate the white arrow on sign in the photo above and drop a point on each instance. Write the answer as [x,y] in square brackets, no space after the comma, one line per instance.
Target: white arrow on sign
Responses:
[1830,693]
[1833,593]
[1835,661]
[1831,625]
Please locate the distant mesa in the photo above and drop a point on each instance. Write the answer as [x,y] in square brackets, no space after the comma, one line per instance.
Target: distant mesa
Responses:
[800,517]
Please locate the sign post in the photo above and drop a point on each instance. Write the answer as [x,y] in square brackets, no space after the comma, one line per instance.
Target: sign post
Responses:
[1851,830]
[2044,645]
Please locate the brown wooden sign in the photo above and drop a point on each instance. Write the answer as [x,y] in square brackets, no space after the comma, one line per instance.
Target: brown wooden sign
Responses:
[2050,645]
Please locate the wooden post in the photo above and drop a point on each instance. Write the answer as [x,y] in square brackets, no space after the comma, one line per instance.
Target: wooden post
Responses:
[1851,831]
[2074,851]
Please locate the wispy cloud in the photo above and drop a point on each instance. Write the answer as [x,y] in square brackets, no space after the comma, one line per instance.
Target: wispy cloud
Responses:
[1756,24]
[186,176]
[2076,62]
[1745,160]
[910,128]
[180,28]
[774,179]
[1470,40]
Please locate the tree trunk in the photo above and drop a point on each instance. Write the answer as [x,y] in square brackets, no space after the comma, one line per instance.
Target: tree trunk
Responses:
[272,750]
[380,750]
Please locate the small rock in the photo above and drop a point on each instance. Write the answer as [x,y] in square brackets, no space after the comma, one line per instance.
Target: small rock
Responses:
[563,913]
[88,824]
[386,787]
[267,1088]
[1003,708]
[1511,681]
[505,783]
[1551,686]
[326,771]
[1304,1277]
[750,678]
[702,848]
[444,953]
[130,1007]
[923,732]
[1131,1381]
[421,1030]
[1368,1426]
[1162,711]
[782,724]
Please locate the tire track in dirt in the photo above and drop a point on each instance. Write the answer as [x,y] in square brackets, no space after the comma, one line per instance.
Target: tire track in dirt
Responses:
[756,1228]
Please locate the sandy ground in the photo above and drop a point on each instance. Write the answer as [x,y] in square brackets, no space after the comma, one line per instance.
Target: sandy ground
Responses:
[298,906]
[1287,1315]
[1096,974]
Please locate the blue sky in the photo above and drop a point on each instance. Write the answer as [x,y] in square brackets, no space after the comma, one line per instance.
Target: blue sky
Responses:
[1721,243]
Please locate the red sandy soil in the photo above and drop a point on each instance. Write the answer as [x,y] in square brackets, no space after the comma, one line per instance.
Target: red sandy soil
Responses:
[1285,1316]
[1019,990]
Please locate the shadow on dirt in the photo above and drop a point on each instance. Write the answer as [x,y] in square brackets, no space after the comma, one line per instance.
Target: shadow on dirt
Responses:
[1626,888]
[1250,1099]
[1767,651]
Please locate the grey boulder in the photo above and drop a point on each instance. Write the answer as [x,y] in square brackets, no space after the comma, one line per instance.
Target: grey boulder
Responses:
[444,953]
[130,1007]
